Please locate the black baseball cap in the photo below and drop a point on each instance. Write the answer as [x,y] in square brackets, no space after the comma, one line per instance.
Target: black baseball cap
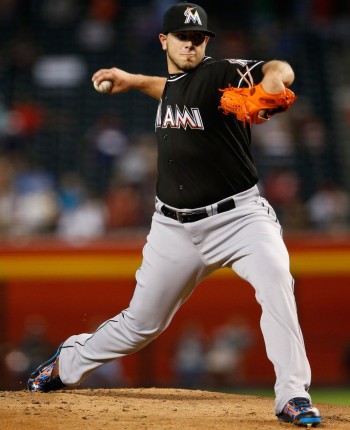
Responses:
[186,17]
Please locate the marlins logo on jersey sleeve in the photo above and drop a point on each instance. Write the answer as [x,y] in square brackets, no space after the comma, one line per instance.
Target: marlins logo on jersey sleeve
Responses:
[250,64]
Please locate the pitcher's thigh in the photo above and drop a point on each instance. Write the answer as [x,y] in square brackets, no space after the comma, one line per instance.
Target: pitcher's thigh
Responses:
[263,258]
[164,281]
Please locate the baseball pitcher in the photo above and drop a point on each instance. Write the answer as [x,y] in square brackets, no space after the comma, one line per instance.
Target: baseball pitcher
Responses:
[208,214]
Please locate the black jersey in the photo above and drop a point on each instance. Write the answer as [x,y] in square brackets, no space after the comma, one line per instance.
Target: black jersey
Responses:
[203,155]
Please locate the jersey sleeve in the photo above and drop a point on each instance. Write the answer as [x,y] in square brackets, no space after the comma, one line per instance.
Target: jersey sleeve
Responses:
[227,73]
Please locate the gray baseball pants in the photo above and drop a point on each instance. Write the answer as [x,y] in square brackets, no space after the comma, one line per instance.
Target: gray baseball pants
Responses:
[176,258]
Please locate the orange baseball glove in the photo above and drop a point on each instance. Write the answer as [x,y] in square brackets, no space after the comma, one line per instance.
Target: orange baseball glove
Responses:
[249,103]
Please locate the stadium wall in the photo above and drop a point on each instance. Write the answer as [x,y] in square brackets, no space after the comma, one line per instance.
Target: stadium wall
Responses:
[76,286]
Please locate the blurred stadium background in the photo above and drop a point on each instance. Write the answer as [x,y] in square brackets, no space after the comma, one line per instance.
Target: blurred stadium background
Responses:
[77,173]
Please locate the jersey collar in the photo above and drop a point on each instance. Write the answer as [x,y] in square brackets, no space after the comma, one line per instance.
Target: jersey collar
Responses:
[176,76]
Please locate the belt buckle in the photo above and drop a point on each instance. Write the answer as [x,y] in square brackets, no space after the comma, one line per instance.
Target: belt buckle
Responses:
[180,216]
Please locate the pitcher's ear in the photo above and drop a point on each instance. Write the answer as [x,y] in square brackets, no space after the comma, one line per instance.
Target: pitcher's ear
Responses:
[163,38]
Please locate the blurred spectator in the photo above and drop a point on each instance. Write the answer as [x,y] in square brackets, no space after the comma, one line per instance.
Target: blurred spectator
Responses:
[124,207]
[7,195]
[189,358]
[20,125]
[8,9]
[3,120]
[72,192]
[20,53]
[59,12]
[282,189]
[313,148]
[137,167]
[313,135]
[59,71]
[233,43]
[137,164]
[143,24]
[329,208]
[51,47]
[225,356]
[343,102]
[81,216]
[28,199]
[86,221]
[274,144]
[36,206]
[104,10]
[96,31]
[26,118]
[105,143]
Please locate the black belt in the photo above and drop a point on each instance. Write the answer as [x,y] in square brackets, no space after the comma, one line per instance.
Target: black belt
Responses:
[196,215]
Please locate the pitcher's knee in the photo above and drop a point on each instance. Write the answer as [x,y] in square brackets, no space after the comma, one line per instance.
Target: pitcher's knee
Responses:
[141,329]
[279,274]
[276,280]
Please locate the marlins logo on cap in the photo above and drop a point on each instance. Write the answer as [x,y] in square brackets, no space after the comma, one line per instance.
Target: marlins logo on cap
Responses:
[192,15]
[186,17]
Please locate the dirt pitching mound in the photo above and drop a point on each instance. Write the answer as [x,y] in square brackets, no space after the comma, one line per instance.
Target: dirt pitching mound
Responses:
[147,408]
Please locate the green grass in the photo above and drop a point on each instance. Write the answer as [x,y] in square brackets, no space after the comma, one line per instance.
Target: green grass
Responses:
[332,396]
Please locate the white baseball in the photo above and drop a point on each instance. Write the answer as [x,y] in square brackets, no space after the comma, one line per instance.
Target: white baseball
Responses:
[104,87]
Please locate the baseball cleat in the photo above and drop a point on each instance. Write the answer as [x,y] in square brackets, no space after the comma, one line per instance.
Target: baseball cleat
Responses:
[42,380]
[300,412]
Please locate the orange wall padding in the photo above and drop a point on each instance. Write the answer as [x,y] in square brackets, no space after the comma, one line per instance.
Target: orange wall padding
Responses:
[74,288]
